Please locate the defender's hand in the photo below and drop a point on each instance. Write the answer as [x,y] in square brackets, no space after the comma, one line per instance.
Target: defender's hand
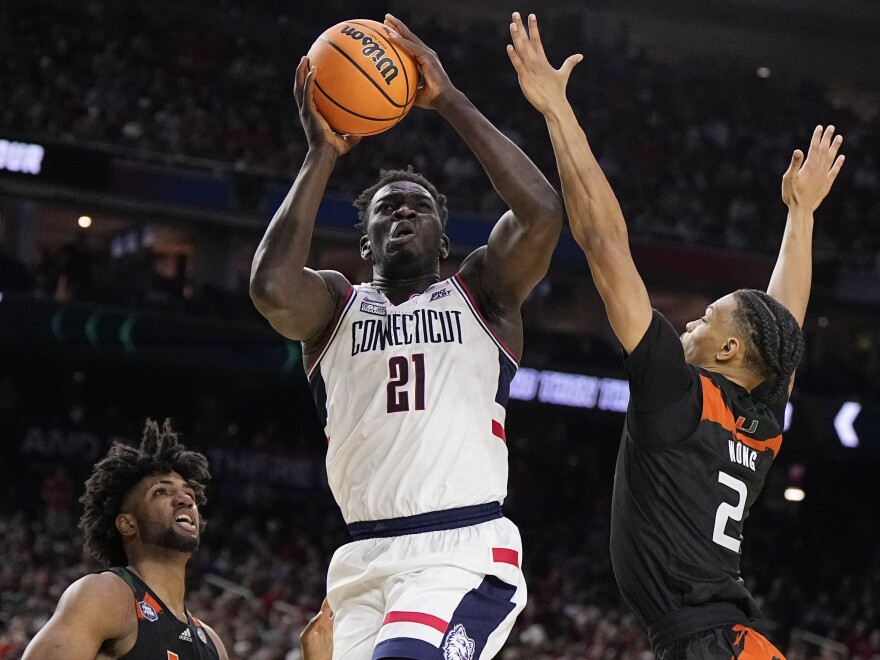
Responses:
[542,85]
[805,184]
[435,82]
[317,638]
[317,129]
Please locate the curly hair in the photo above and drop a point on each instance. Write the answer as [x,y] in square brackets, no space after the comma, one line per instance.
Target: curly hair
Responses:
[390,176]
[120,471]
[774,343]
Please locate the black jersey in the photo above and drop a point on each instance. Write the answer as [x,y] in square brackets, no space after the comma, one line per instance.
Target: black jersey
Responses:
[161,635]
[694,454]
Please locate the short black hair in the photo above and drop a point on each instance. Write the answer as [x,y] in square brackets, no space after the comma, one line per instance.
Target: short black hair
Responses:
[774,340]
[115,475]
[390,176]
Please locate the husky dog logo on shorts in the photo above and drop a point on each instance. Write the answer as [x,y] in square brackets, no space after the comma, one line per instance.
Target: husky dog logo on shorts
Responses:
[458,646]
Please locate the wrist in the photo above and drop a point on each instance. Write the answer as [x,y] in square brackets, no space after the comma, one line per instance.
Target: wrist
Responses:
[801,213]
[449,100]
[322,150]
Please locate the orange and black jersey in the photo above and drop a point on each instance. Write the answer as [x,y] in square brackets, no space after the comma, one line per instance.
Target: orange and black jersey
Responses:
[695,451]
[161,635]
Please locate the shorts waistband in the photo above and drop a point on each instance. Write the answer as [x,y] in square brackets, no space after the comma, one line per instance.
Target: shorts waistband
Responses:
[433,521]
[690,620]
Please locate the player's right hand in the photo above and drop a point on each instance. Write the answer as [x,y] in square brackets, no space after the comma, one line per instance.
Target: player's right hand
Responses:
[805,184]
[317,129]
[542,85]
[317,638]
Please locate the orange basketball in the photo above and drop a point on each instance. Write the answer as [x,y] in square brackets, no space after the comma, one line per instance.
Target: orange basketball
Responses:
[364,84]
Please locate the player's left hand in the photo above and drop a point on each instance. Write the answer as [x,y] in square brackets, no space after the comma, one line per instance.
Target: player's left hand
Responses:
[542,85]
[435,81]
[317,638]
[805,184]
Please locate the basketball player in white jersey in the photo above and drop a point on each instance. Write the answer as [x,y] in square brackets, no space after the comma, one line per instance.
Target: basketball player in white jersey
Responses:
[410,375]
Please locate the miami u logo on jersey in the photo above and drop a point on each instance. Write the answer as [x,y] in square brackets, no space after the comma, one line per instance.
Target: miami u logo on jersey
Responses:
[741,425]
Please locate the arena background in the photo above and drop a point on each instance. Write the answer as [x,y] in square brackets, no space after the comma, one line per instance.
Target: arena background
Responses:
[173,129]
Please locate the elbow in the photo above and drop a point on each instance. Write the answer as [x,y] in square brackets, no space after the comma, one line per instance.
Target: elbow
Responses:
[264,292]
[547,214]
[551,210]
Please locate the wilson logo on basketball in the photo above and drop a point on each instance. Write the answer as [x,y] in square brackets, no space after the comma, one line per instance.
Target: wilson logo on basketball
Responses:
[373,50]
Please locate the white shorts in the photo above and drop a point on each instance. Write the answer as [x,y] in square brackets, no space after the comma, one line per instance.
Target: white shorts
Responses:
[452,594]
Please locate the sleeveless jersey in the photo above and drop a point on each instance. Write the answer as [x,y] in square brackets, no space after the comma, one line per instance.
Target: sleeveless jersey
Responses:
[679,509]
[161,635]
[413,400]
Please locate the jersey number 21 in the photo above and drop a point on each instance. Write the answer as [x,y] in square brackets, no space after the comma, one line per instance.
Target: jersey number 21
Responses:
[401,384]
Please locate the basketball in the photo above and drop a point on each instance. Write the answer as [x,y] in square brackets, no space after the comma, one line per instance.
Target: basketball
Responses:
[364,84]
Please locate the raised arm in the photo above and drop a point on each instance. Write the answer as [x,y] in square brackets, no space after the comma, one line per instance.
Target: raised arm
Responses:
[520,246]
[93,612]
[804,186]
[296,300]
[594,214]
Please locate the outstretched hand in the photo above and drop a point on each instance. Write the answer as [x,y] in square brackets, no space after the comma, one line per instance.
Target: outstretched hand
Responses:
[317,129]
[317,638]
[542,85]
[805,184]
[435,81]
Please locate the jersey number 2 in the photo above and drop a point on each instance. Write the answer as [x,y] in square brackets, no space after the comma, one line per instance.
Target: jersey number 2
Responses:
[398,374]
[727,512]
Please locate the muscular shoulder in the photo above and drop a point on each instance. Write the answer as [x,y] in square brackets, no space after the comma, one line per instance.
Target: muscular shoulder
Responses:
[337,283]
[104,599]
[99,589]
[95,612]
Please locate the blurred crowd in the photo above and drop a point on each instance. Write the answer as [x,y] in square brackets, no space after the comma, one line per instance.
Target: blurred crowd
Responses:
[272,528]
[258,580]
[694,148]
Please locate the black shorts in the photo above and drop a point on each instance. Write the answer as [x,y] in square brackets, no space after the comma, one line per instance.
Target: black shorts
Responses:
[728,643]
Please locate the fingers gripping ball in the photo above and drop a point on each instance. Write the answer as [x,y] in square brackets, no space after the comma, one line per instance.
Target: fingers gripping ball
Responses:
[364,84]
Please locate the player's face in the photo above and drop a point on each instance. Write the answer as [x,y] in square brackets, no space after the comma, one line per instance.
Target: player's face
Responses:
[706,336]
[404,229]
[166,513]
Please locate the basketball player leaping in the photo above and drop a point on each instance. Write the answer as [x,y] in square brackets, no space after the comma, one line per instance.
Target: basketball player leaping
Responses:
[704,419]
[410,375]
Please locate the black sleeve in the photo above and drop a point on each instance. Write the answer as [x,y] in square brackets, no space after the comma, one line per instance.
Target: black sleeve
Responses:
[665,393]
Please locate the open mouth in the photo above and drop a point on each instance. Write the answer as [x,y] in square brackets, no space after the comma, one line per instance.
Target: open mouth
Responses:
[402,232]
[185,521]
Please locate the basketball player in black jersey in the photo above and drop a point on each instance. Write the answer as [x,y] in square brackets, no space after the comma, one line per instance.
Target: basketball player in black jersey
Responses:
[141,518]
[706,409]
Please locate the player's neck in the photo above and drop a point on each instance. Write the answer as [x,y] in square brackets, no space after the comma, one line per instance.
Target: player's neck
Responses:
[399,289]
[166,577]
[741,376]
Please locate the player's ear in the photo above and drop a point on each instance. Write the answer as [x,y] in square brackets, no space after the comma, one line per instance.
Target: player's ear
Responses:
[126,524]
[444,246]
[731,348]
[366,248]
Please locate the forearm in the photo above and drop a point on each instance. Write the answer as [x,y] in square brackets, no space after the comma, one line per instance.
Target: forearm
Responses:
[792,276]
[598,226]
[282,253]
[594,213]
[514,176]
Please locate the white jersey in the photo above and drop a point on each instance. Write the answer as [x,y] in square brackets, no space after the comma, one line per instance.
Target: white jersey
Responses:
[413,399]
